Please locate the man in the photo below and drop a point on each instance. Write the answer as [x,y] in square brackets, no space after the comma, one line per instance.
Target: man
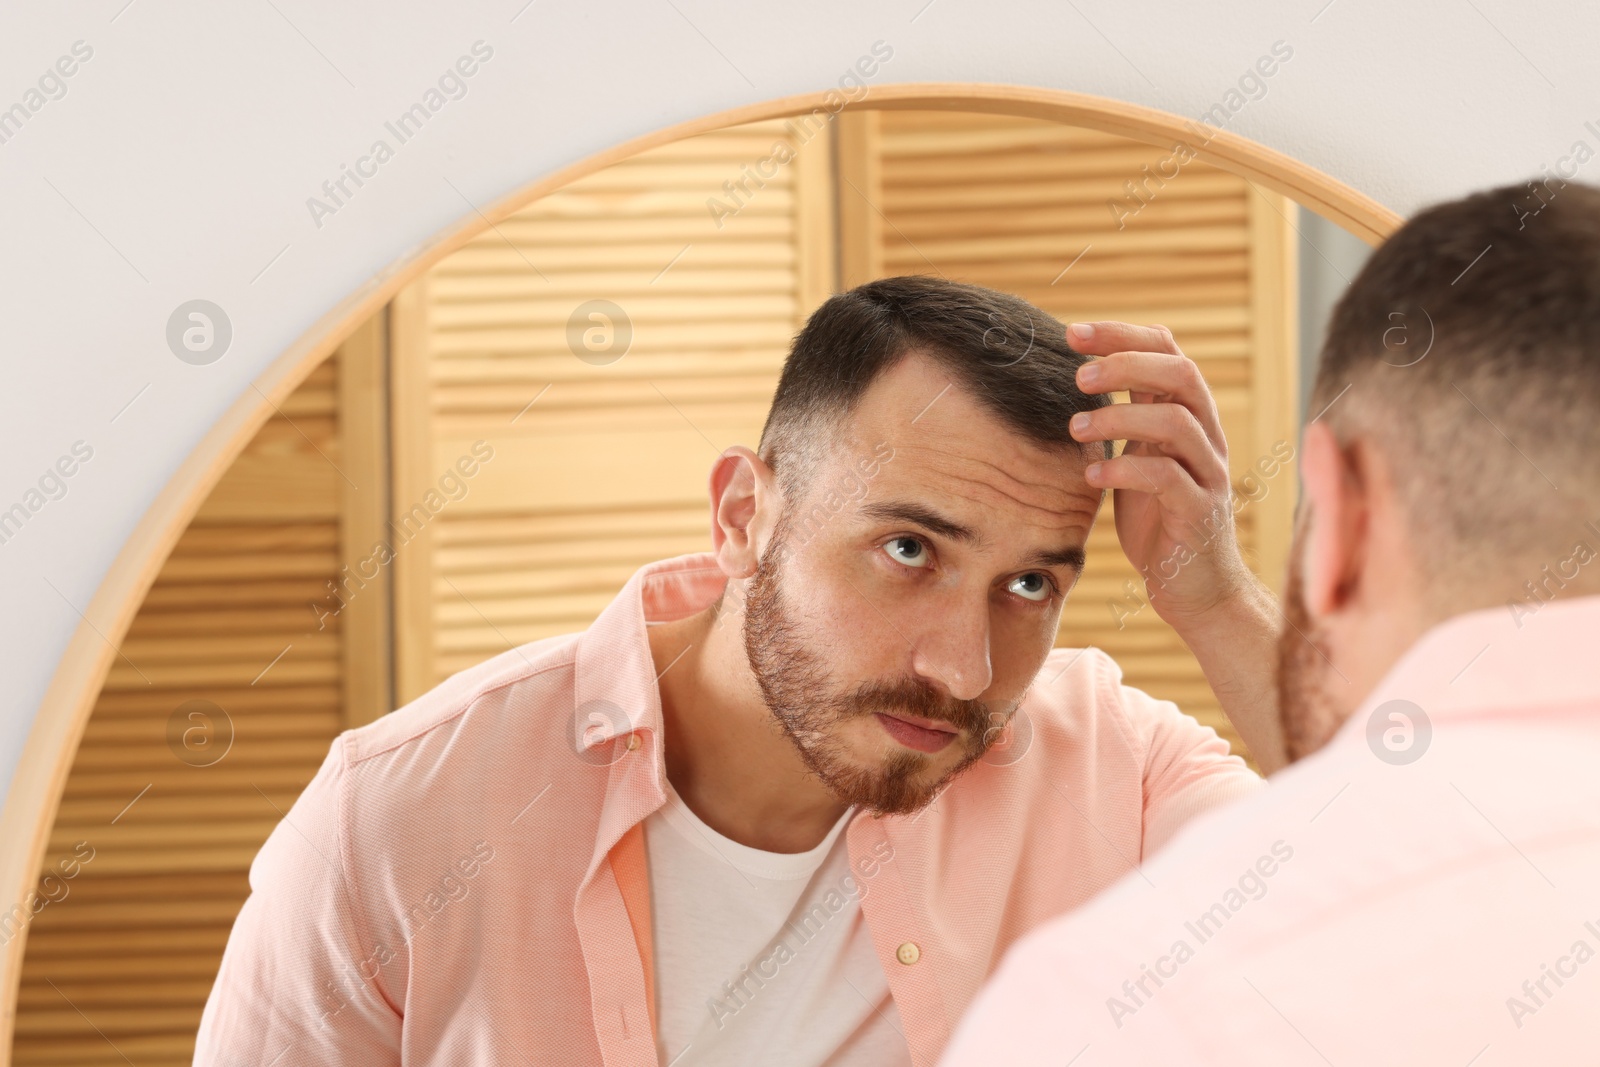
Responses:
[1423,887]
[788,801]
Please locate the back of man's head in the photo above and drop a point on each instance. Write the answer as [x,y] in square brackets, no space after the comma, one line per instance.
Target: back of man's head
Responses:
[1468,352]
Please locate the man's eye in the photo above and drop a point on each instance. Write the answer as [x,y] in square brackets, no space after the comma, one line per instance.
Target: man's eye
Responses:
[907,550]
[1032,586]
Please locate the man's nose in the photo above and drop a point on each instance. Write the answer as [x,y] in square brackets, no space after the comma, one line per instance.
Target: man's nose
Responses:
[951,647]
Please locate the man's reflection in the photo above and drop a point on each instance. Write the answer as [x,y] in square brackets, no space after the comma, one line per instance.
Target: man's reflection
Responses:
[788,801]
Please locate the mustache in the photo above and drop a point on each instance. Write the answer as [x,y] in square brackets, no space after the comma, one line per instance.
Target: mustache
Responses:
[918,698]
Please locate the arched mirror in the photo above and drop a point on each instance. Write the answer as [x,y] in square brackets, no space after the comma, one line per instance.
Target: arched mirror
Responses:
[487,460]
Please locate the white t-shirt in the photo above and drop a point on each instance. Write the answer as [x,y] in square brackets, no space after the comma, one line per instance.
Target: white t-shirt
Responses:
[756,958]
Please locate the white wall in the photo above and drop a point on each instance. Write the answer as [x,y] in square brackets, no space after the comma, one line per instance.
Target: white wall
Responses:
[178,163]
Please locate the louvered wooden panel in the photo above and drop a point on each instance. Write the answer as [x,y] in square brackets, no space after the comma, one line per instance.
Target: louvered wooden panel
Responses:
[121,966]
[1022,206]
[606,470]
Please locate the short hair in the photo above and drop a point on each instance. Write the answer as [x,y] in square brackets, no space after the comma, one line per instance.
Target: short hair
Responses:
[1468,349]
[1012,356]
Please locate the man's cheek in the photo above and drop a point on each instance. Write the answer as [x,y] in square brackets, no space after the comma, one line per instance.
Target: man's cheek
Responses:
[1017,655]
[853,641]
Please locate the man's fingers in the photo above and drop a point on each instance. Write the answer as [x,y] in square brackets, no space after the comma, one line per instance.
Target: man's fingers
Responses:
[1171,427]
[1163,376]
[1144,372]
[1159,475]
[1104,338]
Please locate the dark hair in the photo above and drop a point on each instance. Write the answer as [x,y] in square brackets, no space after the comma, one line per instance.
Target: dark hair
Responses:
[1012,356]
[1469,345]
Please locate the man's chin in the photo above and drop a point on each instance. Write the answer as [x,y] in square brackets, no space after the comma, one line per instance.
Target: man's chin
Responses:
[903,783]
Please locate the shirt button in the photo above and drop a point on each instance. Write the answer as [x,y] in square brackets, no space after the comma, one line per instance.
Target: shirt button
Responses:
[633,742]
[908,953]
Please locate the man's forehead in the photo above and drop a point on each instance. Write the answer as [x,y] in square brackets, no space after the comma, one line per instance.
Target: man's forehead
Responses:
[918,398]
[948,446]
[913,390]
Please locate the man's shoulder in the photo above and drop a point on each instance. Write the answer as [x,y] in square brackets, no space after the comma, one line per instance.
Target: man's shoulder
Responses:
[1075,680]
[1080,692]
[419,789]
[1081,711]
[1269,859]
[1346,857]
[477,705]
[1224,863]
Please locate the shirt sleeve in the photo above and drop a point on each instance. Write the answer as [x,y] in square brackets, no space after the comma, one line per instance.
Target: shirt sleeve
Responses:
[297,984]
[1188,768]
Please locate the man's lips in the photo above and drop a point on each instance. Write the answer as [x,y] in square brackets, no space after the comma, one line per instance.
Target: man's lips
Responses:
[924,735]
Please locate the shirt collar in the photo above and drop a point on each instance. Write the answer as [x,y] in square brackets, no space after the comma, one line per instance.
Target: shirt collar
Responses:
[1496,659]
[615,684]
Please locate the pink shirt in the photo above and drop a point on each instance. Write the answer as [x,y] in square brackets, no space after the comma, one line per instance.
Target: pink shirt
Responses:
[1364,910]
[464,881]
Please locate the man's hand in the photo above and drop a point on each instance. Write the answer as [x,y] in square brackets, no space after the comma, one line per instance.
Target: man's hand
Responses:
[1173,500]
[1172,493]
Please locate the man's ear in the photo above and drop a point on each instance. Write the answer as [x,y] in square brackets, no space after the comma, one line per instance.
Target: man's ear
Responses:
[744,504]
[1336,526]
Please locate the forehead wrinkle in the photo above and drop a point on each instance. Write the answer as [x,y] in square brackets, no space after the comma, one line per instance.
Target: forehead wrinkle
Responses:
[990,488]
[1050,513]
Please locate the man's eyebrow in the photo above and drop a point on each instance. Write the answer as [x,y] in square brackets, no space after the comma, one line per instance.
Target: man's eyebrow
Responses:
[922,515]
[1060,557]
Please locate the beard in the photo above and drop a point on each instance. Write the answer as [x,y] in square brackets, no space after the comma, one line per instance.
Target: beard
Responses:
[1305,678]
[801,696]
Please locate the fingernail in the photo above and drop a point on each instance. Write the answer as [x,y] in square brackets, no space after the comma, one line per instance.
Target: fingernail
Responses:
[1082,330]
[1080,422]
[1092,471]
[1089,374]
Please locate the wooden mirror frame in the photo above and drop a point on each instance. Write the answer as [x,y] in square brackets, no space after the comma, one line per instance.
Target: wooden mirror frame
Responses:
[34,797]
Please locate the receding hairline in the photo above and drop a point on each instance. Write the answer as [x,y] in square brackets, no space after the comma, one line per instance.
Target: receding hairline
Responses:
[811,438]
